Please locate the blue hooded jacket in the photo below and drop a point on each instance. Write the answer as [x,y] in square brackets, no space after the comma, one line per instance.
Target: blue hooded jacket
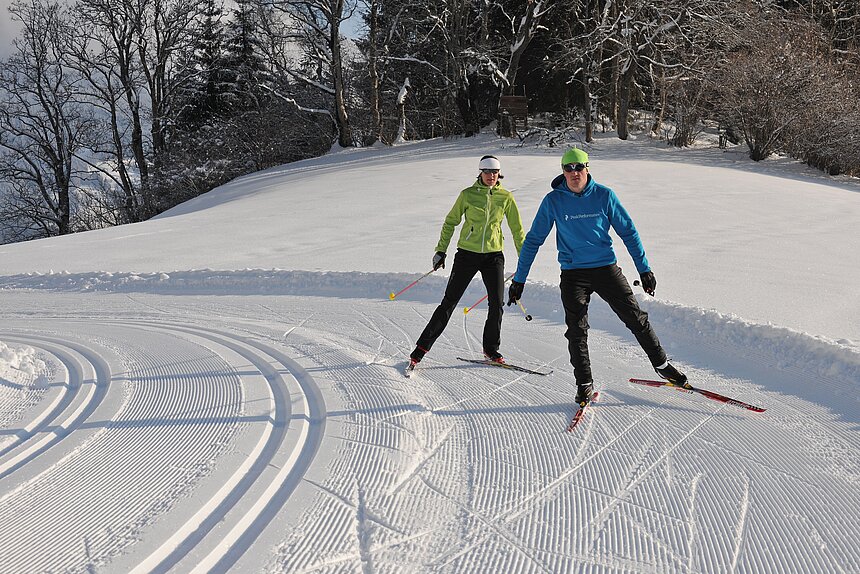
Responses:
[582,235]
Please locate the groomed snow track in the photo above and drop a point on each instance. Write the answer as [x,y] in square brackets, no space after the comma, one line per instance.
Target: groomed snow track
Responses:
[185,434]
[138,419]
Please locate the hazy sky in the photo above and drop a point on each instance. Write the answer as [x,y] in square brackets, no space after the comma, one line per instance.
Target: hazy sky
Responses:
[8,29]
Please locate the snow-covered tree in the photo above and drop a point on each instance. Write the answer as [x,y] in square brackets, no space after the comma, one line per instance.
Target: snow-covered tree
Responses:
[243,67]
[43,125]
[137,45]
[201,97]
[317,28]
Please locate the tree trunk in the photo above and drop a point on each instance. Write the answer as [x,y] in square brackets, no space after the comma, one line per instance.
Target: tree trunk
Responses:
[344,132]
[466,106]
[525,32]
[626,82]
[589,108]
[660,103]
[373,62]
[592,81]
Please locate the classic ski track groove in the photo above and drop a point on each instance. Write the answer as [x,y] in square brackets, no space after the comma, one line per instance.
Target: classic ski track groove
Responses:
[83,396]
[306,439]
[62,390]
[290,447]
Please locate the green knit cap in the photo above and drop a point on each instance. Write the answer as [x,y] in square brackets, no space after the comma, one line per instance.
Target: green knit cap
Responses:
[574,155]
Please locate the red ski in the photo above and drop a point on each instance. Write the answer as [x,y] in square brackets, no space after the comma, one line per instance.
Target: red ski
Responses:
[705,393]
[580,413]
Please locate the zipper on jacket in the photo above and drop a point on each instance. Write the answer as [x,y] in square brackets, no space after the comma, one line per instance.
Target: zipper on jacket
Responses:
[486,222]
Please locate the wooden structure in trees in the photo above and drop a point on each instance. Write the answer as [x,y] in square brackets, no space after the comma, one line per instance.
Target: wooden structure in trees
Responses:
[513,114]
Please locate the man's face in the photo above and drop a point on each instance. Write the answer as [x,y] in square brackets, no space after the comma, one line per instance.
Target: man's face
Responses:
[576,175]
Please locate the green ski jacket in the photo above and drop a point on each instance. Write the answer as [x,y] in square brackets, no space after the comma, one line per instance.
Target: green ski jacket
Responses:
[483,208]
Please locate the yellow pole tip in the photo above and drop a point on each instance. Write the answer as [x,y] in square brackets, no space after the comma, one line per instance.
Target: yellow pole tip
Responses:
[465,310]
[391,296]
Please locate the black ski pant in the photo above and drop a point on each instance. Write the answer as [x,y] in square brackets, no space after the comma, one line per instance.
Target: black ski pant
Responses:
[609,283]
[466,264]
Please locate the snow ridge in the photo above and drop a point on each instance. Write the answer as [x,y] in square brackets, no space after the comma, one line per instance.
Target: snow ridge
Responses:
[779,346]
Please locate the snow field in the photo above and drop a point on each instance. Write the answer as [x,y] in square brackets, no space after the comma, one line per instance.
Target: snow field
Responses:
[490,474]
[186,457]
[220,389]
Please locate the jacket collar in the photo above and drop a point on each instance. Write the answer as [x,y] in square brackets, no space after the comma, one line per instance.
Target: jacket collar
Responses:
[479,185]
[560,184]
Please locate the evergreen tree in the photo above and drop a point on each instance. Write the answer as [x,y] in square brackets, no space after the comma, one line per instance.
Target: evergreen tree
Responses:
[200,99]
[243,69]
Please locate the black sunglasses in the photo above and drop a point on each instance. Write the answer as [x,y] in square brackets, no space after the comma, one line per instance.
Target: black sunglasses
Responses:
[569,167]
[492,171]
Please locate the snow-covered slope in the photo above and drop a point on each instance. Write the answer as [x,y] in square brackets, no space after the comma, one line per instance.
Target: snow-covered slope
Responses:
[219,389]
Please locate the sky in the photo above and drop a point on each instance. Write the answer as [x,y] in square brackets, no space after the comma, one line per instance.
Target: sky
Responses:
[220,388]
[8,29]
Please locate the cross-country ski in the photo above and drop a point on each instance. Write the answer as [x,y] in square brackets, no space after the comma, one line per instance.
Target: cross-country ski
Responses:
[508,366]
[704,392]
[580,412]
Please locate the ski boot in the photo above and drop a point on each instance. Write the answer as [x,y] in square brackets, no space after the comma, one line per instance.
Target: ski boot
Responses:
[584,393]
[674,377]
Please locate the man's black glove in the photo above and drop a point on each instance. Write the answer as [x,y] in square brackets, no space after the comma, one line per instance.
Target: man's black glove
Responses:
[649,282]
[515,292]
[438,260]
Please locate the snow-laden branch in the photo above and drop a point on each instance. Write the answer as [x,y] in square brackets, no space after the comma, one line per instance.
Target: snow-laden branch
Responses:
[292,101]
[414,60]
[299,76]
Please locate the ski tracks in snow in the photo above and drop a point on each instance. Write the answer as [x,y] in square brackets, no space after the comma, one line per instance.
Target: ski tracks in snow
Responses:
[157,447]
[188,440]
[476,460]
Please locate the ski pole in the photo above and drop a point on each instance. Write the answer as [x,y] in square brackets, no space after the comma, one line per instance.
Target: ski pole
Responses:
[482,299]
[528,317]
[392,295]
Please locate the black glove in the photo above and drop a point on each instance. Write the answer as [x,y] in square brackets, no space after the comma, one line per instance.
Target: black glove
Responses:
[515,292]
[649,282]
[438,260]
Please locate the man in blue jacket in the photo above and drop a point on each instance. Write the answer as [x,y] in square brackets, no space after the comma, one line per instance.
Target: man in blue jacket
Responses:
[583,211]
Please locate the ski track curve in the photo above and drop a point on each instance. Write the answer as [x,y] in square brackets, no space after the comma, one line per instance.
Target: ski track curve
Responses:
[82,395]
[129,446]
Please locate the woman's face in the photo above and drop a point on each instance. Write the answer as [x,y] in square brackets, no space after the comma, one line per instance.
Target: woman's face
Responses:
[489,177]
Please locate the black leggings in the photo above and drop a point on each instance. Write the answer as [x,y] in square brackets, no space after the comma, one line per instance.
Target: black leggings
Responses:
[466,265]
[577,285]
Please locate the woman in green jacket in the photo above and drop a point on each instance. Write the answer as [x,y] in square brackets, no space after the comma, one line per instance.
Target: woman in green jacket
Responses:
[479,249]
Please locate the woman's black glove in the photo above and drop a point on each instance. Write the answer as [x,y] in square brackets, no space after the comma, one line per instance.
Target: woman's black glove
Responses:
[438,260]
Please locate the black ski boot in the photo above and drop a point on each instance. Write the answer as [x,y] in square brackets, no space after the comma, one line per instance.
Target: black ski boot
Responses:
[584,394]
[674,376]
